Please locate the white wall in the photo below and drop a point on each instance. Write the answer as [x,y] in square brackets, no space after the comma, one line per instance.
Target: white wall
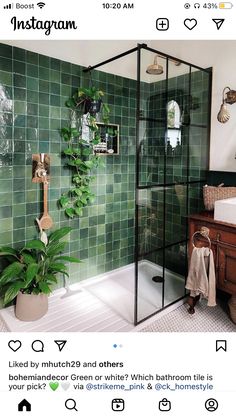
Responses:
[221,55]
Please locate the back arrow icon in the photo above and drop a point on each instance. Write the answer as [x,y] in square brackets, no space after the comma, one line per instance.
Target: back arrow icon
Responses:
[218,22]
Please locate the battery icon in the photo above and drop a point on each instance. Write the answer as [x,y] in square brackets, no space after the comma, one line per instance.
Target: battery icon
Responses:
[226,5]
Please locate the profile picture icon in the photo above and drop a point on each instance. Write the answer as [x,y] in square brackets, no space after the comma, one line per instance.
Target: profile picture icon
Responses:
[211,405]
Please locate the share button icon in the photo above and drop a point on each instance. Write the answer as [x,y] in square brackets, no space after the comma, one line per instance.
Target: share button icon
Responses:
[60,344]
[218,22]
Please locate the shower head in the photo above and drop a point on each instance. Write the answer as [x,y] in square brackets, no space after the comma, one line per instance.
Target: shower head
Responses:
[155,68]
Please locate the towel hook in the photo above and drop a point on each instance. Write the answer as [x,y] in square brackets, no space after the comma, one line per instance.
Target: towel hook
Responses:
[204,232]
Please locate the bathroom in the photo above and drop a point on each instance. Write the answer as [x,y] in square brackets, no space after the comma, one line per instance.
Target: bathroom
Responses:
[137,227]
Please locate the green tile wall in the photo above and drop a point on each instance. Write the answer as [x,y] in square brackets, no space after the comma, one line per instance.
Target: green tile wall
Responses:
[34,89]
[33,92]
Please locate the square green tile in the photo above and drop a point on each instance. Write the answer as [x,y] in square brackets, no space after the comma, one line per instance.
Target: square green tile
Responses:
[6,51]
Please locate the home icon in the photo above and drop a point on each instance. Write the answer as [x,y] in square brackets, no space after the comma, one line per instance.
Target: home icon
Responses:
[24,404]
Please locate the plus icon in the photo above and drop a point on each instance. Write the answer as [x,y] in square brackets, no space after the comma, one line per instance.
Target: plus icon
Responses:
[162,24]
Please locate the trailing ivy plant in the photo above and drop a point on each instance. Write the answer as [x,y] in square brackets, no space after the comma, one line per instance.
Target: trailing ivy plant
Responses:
[80,151]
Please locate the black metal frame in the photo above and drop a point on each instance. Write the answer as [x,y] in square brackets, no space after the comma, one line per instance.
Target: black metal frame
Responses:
[139,118]
[164,185]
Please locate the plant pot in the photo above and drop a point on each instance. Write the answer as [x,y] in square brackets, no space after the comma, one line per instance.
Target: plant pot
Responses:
[31,307]
[93,106]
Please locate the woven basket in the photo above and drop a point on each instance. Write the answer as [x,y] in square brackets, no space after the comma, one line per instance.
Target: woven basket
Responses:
[214,193]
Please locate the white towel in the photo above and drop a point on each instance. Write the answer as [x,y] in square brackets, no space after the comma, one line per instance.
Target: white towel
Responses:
[201,277]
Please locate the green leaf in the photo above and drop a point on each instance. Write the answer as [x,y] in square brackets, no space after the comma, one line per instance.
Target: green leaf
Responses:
[35,245]
[11,272]
[68,152]
[58,234]
[54,248]
[28,258]
[70,212]
[78,162]
[89,164]
[76,178]
[55,266]
[106,107]
[78,192]
[68,259]
[84,189]
[31,272]
[65,130]
[86,152]
[79,211]
[77,151]
[83,200]
[74,132]
[12,292]
[43,286]
[83,168]
[5,251]
[36,291]
[91,198]
[70,103]
[50,278]
[64,201]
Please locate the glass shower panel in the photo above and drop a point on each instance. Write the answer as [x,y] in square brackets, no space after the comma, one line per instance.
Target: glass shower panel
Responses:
[178,119]
[150,219]
[200,97]
[151,153]
[198,153]
[172,159]
[175,272]
[175,213]
[195,198]
[150,285]
[152,119]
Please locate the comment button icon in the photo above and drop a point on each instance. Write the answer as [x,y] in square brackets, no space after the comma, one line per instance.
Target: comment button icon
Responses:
[37,346]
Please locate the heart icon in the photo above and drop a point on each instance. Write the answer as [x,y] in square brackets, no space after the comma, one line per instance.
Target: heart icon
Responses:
[190,23]
[65,386]
[54,385]
[14,345]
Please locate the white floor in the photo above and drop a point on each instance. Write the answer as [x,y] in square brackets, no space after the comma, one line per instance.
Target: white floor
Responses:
[103,304]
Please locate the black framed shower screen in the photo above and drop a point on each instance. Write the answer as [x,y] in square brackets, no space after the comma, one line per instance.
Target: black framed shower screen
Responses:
[170,173]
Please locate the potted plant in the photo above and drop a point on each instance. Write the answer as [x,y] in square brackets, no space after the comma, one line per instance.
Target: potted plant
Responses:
[89,99]
[31,272]
[92,98]
[79,150]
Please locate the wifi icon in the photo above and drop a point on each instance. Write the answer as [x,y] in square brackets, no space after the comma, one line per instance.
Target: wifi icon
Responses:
[40,4]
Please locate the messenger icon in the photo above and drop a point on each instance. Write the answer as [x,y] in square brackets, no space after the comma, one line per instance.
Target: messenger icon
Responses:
[164,405]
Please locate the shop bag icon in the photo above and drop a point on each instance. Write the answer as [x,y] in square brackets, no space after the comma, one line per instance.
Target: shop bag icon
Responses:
[164,405]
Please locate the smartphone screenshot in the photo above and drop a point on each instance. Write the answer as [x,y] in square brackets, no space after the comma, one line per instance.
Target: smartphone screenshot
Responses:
[117,209]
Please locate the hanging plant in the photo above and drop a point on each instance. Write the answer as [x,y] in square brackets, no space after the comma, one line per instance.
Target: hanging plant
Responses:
[81,136]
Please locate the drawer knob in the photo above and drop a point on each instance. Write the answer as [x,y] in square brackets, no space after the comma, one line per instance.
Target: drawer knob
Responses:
[218,237]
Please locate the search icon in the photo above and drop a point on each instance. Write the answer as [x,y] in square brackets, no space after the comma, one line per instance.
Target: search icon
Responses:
[71,404]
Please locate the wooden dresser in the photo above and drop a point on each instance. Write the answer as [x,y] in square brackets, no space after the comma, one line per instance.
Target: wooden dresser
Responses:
[223,245]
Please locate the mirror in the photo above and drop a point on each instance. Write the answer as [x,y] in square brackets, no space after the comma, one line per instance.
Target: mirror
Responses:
[174,128]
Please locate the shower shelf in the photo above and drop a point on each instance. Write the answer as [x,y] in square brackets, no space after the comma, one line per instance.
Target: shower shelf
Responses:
[152,120]
[109,142]
[164,122]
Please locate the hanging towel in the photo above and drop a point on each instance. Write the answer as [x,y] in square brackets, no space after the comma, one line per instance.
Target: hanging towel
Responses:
[201,277]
